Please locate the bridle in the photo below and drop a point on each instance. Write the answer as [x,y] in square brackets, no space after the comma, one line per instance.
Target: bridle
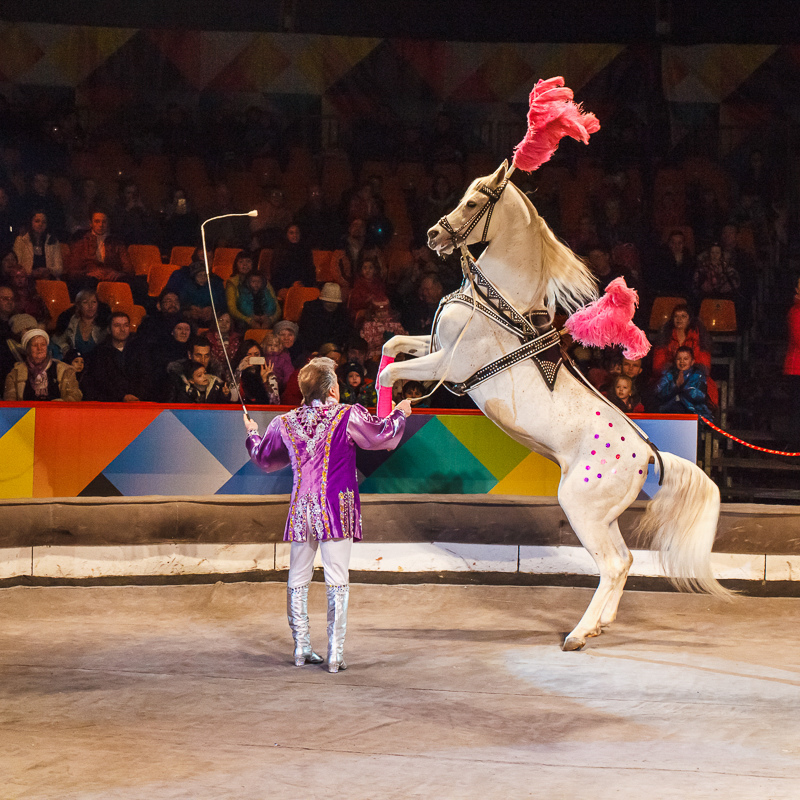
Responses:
[459,236]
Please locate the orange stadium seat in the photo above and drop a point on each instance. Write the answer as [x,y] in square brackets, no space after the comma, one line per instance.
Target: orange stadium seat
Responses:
[144,256]
[55,296]
[116,294]
[296,298]
[158,277]
[662,309]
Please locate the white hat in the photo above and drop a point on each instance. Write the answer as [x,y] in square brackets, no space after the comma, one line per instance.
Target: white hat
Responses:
[331,293]
[28,335]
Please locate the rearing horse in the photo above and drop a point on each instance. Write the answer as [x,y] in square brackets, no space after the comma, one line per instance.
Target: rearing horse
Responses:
[493,340]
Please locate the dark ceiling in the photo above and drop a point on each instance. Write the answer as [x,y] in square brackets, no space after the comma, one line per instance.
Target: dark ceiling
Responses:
[673,21]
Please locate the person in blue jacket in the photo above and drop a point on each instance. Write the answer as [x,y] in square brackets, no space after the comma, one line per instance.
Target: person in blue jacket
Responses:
[682,388]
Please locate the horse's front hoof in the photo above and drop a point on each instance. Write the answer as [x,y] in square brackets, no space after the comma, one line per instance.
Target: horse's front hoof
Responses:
[572,643]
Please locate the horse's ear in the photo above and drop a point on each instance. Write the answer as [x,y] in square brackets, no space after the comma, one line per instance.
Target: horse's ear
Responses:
[527,206]
[499,174]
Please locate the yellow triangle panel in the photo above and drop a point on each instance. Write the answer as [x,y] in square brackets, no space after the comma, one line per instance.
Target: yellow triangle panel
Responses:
[534,476]
[16,458]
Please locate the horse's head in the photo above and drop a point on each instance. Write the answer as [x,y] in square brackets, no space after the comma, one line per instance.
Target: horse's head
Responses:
[469,222]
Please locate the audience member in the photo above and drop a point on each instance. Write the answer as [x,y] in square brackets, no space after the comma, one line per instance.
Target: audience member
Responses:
[196,295]
[199,386]
[181,223]
[791,361]
[198,350]
[346,259]
[118,370]
[8,307]
[674,268]
[287,332]
[159,324]
[131,221]
[714,277]
[38,251]
[324,320]
[621,395]
[242,267]
[682,388]
[273,217]
[223,340]
[292,261]
[278,359]
[28,301]
[41,198]
[380,325]
[257,302]
[77,362]
[98,256]
[82,204]
[256,380]
[418,314]
[681,331]
[40,377]
[85,329]
[368,288]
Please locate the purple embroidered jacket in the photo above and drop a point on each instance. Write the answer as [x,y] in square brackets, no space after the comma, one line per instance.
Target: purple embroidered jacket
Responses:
[319,441]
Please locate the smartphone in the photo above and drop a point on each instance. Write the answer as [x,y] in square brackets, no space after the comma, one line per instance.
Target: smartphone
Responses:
[257,360]
[182,204]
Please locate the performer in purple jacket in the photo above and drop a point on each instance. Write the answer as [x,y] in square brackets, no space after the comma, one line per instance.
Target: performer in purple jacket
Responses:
[319,440]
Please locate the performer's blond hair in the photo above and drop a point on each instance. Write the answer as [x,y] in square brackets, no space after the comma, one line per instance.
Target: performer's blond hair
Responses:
[316,379]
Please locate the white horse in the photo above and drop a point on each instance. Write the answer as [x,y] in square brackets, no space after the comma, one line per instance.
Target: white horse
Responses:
[603,455]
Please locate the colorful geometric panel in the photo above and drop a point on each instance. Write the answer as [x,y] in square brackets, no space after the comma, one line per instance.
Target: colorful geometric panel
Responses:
[534,476]
[16,457]
[493,448]
[69,456]
[256,68]
[166,459]
[9,417]
[367,461]
[432,461]
[252,480]
[221,434]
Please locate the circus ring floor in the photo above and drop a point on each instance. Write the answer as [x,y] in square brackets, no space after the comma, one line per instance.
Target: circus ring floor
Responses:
[453,691]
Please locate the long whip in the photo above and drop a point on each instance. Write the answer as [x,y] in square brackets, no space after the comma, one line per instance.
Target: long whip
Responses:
[213,304]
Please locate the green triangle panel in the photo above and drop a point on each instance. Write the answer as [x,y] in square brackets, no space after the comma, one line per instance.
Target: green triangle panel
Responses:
[433,461]
[497,451]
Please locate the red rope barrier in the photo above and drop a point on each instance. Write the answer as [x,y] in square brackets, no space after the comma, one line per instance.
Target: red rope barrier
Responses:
[747,444]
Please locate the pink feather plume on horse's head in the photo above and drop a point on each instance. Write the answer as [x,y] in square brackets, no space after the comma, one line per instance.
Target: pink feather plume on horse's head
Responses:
[553,114]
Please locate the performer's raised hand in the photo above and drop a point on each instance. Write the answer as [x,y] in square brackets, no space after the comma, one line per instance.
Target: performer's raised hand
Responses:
[405,407]
[250,424]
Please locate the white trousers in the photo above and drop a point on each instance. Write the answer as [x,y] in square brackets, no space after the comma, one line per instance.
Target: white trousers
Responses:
[335,561]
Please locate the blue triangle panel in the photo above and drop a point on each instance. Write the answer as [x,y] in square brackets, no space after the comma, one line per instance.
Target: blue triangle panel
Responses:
[252,480]
[166,459]
[9,417]
[222,433]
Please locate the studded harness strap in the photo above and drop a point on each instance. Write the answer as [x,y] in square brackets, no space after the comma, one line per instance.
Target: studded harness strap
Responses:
[460,235]
[540,341]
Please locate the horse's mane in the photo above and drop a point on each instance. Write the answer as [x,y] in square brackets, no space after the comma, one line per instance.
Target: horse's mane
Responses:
[569,282]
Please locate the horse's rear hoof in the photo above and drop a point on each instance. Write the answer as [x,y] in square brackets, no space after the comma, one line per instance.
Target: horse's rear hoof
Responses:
[573,643]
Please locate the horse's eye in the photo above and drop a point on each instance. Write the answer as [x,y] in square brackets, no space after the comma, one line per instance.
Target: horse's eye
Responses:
[471,204]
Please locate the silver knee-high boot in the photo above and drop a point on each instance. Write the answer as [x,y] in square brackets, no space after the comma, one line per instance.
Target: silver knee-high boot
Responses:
[297,611]
[338,597]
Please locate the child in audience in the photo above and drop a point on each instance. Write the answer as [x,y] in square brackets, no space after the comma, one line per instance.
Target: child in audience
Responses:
[413,390]
[682,388]
[257,302]
[278,359]
[621,395]
[202,387]
[381,325]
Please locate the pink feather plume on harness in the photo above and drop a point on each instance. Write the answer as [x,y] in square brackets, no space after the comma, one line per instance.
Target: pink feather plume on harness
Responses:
[553,114]
[607,321]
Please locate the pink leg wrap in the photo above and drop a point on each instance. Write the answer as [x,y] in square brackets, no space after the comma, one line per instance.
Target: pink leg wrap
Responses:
[384,392]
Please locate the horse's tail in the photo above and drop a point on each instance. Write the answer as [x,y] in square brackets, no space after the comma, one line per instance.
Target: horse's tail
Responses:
[681,523]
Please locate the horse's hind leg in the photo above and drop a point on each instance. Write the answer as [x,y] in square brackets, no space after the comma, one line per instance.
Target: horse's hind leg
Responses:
[609,613]
[604,542]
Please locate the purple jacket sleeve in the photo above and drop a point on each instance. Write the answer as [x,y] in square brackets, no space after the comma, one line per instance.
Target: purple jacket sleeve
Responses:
[269,451]
[373,433]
